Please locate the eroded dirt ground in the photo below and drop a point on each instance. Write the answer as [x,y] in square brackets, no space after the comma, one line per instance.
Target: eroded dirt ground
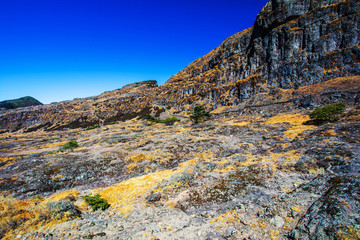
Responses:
[243,177]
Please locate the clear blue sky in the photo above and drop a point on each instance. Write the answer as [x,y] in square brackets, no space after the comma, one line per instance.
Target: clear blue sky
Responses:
[57,50]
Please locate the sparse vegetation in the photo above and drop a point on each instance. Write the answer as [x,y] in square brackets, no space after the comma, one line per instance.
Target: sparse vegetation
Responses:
[167,121]
[152,119]
[330,113]
[170,121]
[96,202]
[93,127]
[69,145]
[199,113]
[112,123]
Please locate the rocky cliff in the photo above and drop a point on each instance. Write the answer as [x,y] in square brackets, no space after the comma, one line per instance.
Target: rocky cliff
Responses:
[292,44]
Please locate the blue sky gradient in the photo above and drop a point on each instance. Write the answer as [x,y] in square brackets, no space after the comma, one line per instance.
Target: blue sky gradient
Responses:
[57,50]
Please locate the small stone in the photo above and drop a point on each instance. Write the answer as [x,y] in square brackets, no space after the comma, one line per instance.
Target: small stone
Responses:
[277,221]
[153,197]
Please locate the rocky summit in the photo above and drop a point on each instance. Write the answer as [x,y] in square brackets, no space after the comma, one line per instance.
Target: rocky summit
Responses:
[278,159]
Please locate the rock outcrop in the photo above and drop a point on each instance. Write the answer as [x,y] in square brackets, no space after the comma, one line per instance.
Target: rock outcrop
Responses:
[292,44]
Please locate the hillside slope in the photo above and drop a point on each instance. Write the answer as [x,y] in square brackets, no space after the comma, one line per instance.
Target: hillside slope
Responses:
[257,177]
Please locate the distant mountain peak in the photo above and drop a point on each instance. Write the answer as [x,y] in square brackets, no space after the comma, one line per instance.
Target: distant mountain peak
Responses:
[20,102]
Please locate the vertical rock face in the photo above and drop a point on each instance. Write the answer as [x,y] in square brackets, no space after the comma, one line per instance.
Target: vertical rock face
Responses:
[292,44]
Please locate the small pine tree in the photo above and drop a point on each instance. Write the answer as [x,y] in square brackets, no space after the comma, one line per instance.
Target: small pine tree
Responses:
[69,146]
[330,113]
[96,202]
[199,113]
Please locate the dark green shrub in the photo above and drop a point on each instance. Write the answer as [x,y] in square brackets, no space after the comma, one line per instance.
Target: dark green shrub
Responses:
[96,202]
[170,121]
[152,119]
[328,113]
[93,127]
[199,113]
[112,123]
[167,121]
[69,145]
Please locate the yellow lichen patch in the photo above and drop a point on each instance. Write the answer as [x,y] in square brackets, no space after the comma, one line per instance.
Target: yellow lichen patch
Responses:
[221,109]
[19,217]
[285,189]
[296,208]
[294,131]
[53,145]
[205,155]
[9,159]
[122,195]
[296,120]
[231,217]
[250,160]
[182,130]
[293,119]
[171,204]
[331,133]
[137,157]
[131,167]
[240,124]
[287,156]
[56,178]
[63,195]
[274,234]
[226,169]
[317,171]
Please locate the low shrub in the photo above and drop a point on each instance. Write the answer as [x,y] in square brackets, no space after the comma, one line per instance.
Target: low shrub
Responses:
[112,123]
[170,121]
[93,127]
[96,202]
[330,113]
[167,121]
[152,119]
[69,146]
